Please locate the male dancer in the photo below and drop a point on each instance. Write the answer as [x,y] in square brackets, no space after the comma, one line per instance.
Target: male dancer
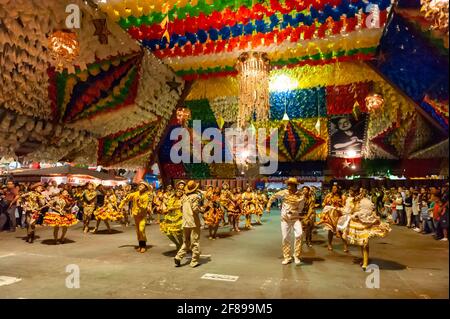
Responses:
[291,208]
[141,206]
[191,207]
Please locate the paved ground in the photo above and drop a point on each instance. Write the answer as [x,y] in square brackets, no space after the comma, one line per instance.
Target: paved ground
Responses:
[411,266]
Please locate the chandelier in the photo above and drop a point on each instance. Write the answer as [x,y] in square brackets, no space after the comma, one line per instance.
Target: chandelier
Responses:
[64,47]
[253,69]
[436,11]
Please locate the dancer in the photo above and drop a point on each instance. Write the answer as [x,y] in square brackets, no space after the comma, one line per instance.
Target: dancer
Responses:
[248,206]
[262,201]
[346,215]
[141,206]
[225,197]
[172,223]
[214,212]
[309,213]
[108,212]
[158,206]
[35,201]
[61,215]
[89,200]
[363,225]
[191,207]
[292,206]
[233,210]
[331,213]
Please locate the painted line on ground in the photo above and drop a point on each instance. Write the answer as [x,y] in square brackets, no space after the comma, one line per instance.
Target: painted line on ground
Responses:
[219,277]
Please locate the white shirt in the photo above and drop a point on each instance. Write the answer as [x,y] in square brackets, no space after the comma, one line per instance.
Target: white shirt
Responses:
[291,205]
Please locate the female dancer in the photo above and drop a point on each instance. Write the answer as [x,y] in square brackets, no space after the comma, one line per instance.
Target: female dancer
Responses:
[158,205]
[214,212]
[61,215]
[34,203]
[225,197]
[234,211]
[363,225]
[331,213]
[248,206]
[89,203]
[173,216]
[108,212]
[310,214]
[262,201]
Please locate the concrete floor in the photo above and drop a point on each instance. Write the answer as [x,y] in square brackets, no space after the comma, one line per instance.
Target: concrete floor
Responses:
[411,266]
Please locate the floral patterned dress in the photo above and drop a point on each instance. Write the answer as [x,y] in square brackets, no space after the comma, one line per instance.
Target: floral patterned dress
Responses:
[61,214]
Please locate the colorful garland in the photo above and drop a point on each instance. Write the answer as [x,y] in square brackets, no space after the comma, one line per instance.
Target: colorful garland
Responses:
[298,103]
[235,10]
[125,145]
[340,99]
[409,61]
[105,85]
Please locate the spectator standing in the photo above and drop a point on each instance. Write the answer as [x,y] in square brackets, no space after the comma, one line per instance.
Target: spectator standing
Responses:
[416,211]
[408,208]
[398,202]
[11,197]
[3,210]
[427,221]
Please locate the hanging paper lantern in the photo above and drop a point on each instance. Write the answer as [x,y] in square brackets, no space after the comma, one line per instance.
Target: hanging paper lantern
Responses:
[183,115]
[64,47]
[374,101]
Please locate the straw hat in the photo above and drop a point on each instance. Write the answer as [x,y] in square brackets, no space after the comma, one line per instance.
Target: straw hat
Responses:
[147,185]
[191,187]
[36,185]
[291,180]
[177,185]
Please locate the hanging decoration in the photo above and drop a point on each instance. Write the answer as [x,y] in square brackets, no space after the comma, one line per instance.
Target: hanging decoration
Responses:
[374,101]
[64,47]
[43,139]
[411,64]
[253,68]
[340,99]
[295,141]
[183,115]
[351,46]
[436,11]
[298,103]
[392,140]
[25,59]
[226,108]
[106,85]
[212,30]
[125,145]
